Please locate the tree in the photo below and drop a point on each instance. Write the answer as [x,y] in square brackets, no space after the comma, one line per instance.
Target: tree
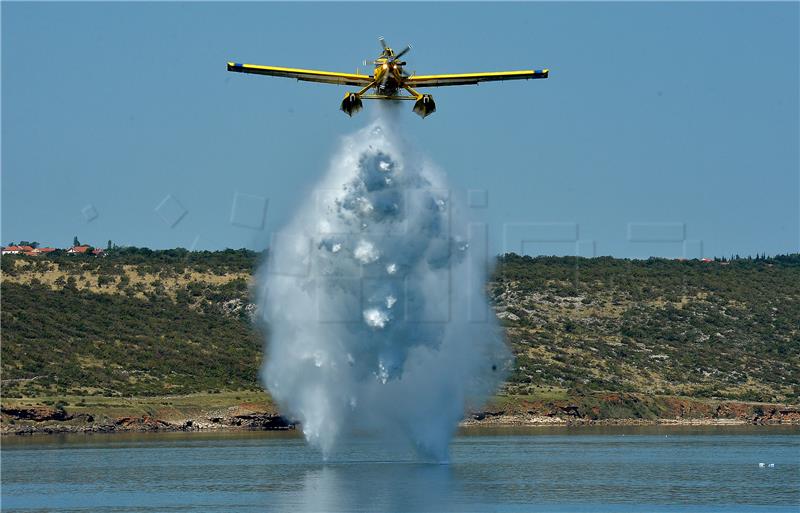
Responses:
[75,241]
[108,248]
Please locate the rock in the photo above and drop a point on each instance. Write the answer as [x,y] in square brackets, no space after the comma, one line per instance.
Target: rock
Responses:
[267,422]
[143,423]
[508,316]
[36,413]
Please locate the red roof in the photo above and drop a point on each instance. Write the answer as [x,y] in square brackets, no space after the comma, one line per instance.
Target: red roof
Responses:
[47,250]
[78,249]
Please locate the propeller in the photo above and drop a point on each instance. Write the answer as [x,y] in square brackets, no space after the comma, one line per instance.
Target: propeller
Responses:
[397,55]
[402,52]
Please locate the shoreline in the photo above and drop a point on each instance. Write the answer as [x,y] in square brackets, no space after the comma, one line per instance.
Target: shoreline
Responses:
[255,410]
[509,422]
[45,421]
[534,421]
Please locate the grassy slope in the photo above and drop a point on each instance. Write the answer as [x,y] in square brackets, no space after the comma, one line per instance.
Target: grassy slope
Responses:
[157,323]
[656,326]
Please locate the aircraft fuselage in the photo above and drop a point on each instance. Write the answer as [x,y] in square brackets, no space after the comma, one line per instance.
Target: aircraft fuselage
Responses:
[388,76]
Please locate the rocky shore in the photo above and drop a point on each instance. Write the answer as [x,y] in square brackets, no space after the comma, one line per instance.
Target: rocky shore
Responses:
[46,420]
[42,419]
[634,409]
[772,417]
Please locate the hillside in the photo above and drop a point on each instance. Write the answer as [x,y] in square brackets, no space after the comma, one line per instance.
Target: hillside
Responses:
[715,329]
[150,323]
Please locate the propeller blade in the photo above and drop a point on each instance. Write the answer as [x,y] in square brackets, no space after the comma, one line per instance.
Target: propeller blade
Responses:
[383,43]
[402,52]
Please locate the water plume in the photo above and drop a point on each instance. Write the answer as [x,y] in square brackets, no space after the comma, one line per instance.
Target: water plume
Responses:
[374,301]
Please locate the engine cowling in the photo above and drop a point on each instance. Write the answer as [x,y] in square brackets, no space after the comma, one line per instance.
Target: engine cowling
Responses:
[425,106]
[351,104]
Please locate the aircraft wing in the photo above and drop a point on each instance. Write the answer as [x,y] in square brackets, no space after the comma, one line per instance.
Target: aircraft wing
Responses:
[473,78]
[310,75]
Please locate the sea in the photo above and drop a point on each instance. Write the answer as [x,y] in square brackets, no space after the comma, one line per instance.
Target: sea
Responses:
[647,469]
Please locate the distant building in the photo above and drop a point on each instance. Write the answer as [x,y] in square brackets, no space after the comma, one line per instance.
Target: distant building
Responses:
[16,250]
[31,251]
[83,249]
[78,250]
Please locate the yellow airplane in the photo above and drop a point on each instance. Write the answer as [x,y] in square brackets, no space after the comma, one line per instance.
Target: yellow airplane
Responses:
[388,80]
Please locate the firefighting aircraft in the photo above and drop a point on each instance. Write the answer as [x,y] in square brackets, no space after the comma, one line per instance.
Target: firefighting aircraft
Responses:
[388,81]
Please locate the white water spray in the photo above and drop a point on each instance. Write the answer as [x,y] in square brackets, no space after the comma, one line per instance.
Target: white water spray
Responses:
[370,295]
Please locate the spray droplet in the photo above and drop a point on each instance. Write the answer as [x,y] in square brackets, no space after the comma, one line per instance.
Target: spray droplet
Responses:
[375,318]
[382,374]
[365,252]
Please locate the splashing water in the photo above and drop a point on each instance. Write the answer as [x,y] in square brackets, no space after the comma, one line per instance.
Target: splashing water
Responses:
[370,296]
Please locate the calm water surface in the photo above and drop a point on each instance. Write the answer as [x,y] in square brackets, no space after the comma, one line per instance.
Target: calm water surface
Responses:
[651,469]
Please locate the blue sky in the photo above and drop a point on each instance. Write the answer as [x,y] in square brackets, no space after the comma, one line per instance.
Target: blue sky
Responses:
[665,129]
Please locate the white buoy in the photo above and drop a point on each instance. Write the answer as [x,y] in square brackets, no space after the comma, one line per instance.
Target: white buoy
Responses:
[761,465]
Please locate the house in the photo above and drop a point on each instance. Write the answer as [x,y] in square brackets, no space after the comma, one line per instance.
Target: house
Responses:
[83,249]
[16,250]
[47,251]
[78,250]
